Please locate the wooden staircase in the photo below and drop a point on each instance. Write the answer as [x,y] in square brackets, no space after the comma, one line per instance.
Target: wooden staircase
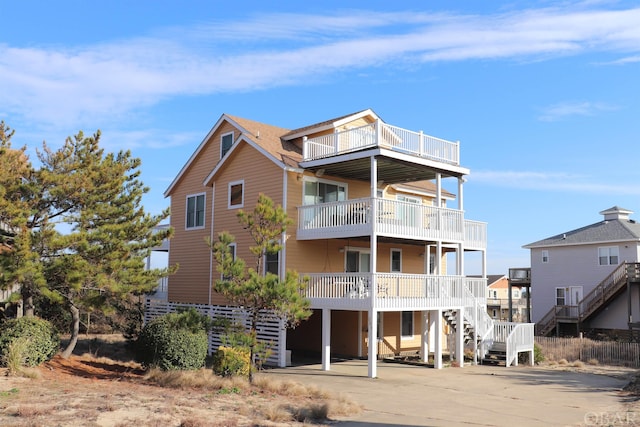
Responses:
[452,320]
[607,290]
[497,355]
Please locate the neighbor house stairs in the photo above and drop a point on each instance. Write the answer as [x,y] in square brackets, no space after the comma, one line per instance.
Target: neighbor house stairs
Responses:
[595,301]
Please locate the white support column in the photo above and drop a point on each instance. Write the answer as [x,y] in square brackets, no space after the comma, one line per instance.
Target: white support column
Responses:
[439,190]
[372,319]
[282,341]
[461,181]
[326,339]
[437,350]
[432,330]
[460,259]
[424,338]
[460,336]
[438,258]
[359,333]
[475,334]
[484,263]
[373,343]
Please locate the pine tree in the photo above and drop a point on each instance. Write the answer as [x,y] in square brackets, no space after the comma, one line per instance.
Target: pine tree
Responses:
[85,238]
[260,295]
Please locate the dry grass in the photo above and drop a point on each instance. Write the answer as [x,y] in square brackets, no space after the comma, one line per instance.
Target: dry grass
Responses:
[593,362]
[91,388]
[577,364]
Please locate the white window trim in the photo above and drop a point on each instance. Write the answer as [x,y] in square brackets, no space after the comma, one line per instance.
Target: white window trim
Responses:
[391,251]
[608,255]
[186,211]
[545,256]
[413,326]
[231,184]
[408,199]
[306,179]
[232,142]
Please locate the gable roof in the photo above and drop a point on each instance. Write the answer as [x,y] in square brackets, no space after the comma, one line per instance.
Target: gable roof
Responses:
[329,124]
[250,130]
[608,230]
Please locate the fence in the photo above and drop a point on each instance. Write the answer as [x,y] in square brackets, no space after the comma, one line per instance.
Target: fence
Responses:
[605,352]
[268,331]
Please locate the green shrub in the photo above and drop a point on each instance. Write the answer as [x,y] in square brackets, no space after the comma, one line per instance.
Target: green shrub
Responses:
[176,341]
[230,361]
[41,340]
[538,357]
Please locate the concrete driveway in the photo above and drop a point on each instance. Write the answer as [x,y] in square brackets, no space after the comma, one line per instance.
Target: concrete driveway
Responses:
[474,395]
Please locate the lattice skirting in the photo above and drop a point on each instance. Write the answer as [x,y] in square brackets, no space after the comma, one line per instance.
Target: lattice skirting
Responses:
[272,331]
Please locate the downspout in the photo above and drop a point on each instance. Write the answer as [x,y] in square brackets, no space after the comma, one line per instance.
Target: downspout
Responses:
[213,193]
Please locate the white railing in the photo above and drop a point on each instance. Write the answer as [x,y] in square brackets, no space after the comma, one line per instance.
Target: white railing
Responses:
[379,134]
[392,290]
[518,337]
[475,234]
[392,218]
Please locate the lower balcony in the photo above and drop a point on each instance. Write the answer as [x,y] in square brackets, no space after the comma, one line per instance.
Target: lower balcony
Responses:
[391,218]
[393,291]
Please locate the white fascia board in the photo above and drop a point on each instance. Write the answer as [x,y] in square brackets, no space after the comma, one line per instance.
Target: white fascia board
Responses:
[186,166]
[236,144]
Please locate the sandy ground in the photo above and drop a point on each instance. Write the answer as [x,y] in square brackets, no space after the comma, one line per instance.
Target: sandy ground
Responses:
[92,391]
[479,395]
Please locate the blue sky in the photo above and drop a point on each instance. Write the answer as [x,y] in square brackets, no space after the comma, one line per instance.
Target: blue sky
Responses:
[544,97]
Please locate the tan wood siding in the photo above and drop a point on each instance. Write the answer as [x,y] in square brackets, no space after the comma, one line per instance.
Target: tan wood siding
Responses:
[188,248]
[259,175]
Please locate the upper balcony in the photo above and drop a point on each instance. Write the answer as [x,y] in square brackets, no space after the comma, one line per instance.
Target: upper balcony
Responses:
[390,218]
[403,155]
[380,134]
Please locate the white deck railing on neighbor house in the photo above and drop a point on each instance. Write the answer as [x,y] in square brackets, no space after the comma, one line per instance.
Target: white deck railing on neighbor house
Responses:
[393,218]
[392,290]
[518,337]
[379,134]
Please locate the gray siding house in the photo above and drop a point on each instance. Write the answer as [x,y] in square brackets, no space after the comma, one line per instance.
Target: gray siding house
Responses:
[587,278]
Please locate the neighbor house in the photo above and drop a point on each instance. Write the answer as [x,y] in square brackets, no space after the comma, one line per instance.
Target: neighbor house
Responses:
[587,279]
[373,232]
[498,300]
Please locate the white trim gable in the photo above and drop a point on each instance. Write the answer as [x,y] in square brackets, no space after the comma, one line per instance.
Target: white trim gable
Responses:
[203,144]
[234,147]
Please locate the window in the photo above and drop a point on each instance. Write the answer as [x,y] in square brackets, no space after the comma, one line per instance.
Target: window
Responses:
[233,249]
[195,211]
[226,141]
[545,256]
[316,192]
[272,263]
[396,260]
[236,194]
[560,296]
[608,255]
[406,324]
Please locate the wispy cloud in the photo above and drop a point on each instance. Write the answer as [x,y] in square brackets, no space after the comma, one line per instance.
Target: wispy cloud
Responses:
[78,85]
[564,110]
[553,182]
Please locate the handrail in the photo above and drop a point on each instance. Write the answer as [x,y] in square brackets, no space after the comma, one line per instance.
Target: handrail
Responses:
[595,299]
[520,338]
[607,287]
[380,134]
